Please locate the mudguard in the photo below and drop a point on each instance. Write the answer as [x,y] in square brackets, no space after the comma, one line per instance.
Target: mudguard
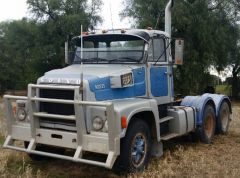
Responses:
[130,107]
[199,102]
[218,99]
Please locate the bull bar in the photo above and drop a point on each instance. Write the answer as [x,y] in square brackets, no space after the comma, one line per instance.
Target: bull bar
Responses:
[104,143]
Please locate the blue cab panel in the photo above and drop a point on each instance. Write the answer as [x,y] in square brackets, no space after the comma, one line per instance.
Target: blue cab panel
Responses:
[159,81]
[108,93]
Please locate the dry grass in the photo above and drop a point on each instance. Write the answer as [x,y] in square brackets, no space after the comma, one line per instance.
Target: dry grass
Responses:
[181,158]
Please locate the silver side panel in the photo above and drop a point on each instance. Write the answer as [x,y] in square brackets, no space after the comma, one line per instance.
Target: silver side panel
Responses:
[184,119]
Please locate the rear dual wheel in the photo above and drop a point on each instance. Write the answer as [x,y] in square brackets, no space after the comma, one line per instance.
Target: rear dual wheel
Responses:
[223,119]
[207,130]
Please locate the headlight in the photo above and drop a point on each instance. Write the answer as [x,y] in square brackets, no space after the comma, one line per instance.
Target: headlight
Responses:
[126,79]
[97,123]
[21,114]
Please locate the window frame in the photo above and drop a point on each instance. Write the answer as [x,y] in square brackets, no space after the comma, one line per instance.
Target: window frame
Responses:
[153,53]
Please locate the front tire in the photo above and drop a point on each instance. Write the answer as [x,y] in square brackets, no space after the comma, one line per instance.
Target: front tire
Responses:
[223,119]
[207,129]
[135,148]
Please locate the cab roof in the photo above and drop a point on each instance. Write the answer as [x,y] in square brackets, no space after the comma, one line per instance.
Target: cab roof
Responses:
[144,34]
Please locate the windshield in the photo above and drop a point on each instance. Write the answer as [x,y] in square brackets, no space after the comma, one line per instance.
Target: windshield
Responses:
[109,49]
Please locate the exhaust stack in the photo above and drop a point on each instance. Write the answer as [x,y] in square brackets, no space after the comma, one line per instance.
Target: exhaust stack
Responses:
[168,17]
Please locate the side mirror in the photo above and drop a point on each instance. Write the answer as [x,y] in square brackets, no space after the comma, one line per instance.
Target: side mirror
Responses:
[66,53]
[179,49]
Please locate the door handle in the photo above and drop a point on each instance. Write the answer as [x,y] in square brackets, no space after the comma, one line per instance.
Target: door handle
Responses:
[166,73]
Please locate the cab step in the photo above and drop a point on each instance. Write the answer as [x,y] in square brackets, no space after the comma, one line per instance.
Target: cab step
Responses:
[169,136]
[164,119]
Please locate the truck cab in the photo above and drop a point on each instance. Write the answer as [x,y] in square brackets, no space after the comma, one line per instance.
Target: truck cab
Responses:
[114,98]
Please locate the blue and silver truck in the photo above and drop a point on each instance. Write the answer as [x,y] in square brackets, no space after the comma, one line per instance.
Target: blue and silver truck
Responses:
[115,99]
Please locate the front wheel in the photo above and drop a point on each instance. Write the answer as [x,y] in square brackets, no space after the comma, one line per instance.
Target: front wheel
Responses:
[207,129]
[135,148]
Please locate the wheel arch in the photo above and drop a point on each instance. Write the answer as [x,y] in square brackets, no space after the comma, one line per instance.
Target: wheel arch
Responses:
[218,100]
[144,109]
[200,103]
[149,118]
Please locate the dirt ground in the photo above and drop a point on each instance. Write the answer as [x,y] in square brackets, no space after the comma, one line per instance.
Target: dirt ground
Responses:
[182,158]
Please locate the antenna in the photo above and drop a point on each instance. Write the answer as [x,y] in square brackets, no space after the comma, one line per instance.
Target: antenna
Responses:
[110,6]
[159,15]
[81,43]
[81,77]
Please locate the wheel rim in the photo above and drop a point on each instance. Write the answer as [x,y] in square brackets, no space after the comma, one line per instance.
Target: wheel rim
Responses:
[138,149]
[209,125]
[224,119]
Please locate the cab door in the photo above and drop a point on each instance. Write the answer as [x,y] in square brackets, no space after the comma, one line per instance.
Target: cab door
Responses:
[159,70]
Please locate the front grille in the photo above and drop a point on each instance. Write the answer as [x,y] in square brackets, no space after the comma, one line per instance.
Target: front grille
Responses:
[57,108]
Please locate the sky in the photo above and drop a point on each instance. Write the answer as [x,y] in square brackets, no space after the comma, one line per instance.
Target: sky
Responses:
[12,9]
[16,9]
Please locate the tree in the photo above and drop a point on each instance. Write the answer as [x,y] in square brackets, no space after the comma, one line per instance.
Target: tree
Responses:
[32,46]
[16,44]
[57,20]
[232,10]
[204,25]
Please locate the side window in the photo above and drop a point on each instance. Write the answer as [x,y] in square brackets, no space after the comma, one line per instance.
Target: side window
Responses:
[88,45]
[157,50]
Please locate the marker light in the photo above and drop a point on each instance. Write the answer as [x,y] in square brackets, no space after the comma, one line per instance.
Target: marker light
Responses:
[85,33]
[123,31]
[104,31]
[124,122]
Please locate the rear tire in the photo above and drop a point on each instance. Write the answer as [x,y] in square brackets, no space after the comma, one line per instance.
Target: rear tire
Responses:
[135,149]
[223,118]
[207,130]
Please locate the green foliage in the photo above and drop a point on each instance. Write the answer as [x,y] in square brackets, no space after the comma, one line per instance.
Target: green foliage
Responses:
[224,89]
[208,31]
[207,34]
[30,47]
[144,12]
[16,45]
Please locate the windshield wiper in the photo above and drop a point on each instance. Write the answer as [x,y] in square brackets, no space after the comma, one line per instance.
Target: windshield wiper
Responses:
[97,59]
[128,59]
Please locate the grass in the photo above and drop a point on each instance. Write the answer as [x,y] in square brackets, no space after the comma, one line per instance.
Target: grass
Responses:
[224,89]
[182,158]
